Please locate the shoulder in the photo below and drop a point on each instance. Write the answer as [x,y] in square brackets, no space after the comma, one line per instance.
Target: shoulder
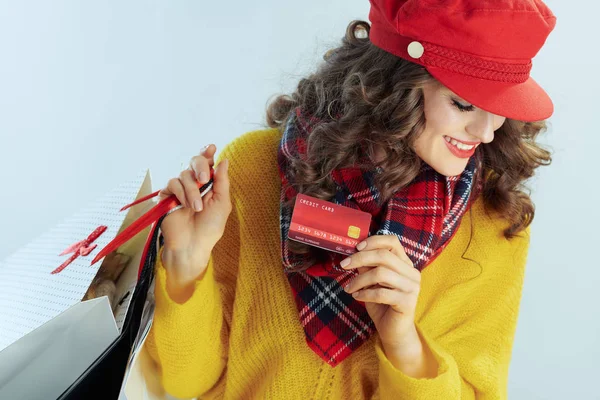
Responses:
[253,173]
[252,156]
[488,235]
[251,145]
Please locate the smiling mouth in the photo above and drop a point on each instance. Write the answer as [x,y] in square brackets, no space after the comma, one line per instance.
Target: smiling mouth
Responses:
[464,146]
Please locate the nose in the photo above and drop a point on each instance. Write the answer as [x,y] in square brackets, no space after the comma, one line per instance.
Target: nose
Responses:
[482,126]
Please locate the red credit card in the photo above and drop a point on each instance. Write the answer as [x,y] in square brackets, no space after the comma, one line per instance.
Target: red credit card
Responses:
[328,225]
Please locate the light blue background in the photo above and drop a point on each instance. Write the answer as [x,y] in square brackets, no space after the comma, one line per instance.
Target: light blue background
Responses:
[91,92]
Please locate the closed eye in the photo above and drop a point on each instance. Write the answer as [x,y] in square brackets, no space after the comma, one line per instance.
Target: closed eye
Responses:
[462,107]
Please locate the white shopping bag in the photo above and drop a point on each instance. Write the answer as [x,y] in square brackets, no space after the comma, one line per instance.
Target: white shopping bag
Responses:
[48,336]
[43,363]
[142,379]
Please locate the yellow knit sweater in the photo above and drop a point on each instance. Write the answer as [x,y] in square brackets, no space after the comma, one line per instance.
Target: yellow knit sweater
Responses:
[239,336]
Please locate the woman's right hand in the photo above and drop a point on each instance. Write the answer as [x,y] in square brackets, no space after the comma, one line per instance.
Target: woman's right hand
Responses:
[191,232]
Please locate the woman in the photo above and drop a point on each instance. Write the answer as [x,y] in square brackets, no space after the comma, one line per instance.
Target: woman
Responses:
[428,122]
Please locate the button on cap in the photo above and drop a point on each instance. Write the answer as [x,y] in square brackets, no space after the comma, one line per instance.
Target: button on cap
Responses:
[415,49]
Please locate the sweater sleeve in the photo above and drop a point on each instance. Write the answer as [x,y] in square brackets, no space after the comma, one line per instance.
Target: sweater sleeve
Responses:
[186,339]
[189,341]
[474,355]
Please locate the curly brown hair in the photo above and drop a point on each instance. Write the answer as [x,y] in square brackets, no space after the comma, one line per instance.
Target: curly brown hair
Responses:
[366,97]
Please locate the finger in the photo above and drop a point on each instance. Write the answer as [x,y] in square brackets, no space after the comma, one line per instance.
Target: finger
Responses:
[221,181]
[385,258]
[174,187]
[385,278]
[391,243]
[201,164]
[399,301]
[190,186]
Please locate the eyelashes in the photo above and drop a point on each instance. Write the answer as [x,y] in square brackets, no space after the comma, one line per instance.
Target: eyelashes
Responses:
[462,107]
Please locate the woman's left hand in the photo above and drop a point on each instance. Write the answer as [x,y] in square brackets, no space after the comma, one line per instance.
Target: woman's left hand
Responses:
[389,285]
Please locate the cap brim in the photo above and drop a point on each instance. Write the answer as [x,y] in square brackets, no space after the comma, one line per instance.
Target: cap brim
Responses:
[525,101]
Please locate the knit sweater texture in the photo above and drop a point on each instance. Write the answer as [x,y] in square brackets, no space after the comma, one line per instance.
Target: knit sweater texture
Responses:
[239,336]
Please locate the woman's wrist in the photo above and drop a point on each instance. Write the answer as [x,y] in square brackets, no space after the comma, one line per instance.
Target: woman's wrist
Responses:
[412,356]
[183,270]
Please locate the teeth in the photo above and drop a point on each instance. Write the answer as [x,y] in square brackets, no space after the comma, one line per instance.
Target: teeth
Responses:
[458,144]
[464,146]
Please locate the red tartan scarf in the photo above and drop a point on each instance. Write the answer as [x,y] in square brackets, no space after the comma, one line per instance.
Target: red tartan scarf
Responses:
[424,215]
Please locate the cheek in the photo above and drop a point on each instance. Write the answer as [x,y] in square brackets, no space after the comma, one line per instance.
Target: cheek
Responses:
[439,121]
[425,145]
[442,118]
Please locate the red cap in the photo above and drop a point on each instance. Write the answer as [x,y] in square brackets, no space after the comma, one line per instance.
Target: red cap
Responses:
[481,50]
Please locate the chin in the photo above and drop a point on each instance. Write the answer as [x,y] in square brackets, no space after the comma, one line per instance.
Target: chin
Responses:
[443,161]
[449,168]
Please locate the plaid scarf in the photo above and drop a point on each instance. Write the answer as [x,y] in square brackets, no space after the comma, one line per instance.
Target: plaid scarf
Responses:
[424,216]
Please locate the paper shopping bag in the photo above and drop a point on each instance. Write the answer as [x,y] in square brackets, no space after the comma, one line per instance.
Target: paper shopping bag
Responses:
[108,376]
[46,361]
[142,375]
[103,378]
[43,283]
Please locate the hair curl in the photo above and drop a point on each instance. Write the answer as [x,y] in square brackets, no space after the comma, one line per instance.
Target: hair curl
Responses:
[365,97]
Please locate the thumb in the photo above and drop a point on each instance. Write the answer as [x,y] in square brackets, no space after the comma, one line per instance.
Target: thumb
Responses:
[221,181]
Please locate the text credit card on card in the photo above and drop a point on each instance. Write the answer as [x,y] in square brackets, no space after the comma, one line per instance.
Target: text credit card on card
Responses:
[328,225]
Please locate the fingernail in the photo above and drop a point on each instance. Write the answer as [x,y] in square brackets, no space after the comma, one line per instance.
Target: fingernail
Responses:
[361,245]
[345,262]
[203,177]
[197,205]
